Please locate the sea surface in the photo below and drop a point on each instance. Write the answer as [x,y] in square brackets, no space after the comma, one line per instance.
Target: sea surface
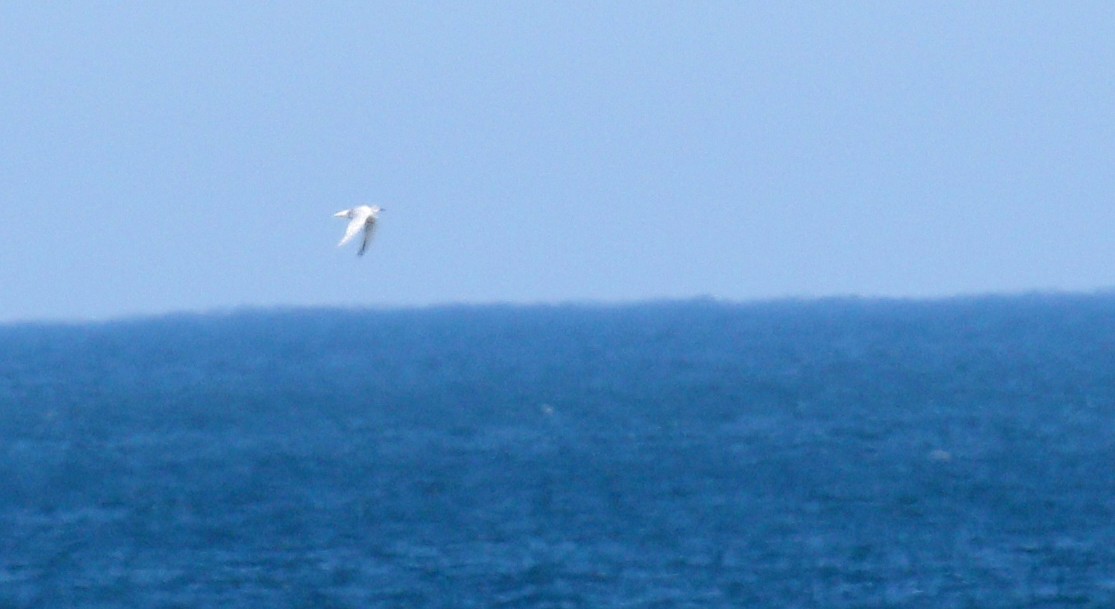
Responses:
[831,454]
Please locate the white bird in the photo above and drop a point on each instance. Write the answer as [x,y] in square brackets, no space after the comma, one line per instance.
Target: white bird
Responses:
[360,218]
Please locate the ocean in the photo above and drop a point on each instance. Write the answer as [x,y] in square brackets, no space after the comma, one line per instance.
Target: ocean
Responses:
[842,453]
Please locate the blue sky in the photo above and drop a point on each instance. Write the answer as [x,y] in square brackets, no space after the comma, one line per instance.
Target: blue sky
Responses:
[164,157]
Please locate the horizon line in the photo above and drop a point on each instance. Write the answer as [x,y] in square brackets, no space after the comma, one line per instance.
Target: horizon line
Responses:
[233,310]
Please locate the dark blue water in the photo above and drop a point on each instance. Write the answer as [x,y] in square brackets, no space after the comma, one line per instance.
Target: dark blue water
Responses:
[821,454]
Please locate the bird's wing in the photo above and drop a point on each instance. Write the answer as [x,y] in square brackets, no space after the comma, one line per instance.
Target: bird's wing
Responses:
[354,227]
[369,229]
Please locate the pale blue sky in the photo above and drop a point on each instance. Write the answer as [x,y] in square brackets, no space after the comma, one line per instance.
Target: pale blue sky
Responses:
[169,156]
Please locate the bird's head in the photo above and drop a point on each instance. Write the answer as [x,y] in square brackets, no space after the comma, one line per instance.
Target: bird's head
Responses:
[343,213]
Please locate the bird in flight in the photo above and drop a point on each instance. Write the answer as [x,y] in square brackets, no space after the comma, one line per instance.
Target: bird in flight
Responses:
[360,218]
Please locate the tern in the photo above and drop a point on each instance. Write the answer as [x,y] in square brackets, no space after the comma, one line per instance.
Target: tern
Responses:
[360,218]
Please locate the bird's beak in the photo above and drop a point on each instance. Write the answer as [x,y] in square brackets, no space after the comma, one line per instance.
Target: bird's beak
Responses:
[341,214]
